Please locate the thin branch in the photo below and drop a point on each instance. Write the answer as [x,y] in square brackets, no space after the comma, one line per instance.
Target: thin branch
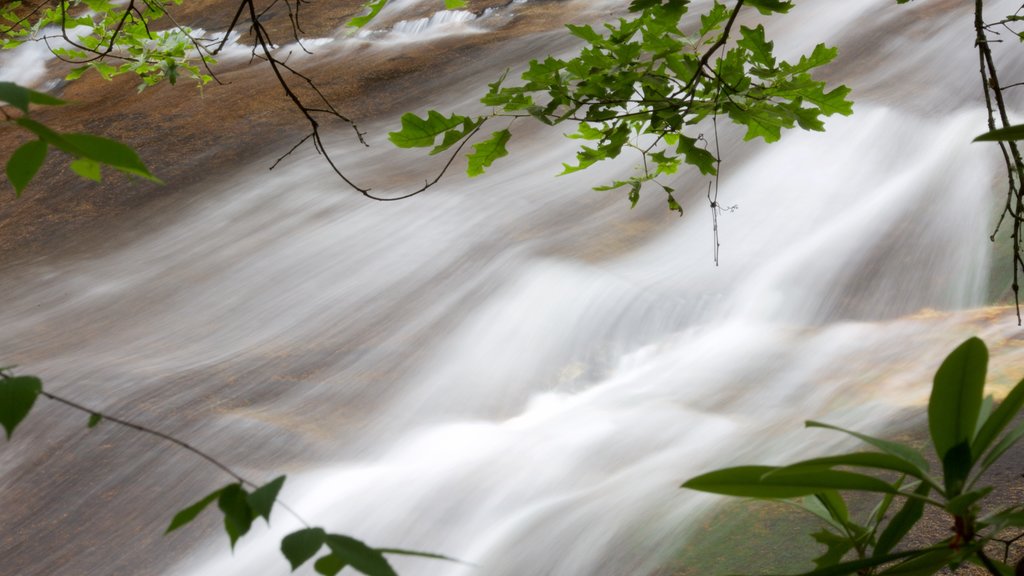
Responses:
[167,438]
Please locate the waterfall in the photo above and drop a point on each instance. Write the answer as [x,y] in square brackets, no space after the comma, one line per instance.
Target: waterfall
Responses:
[515,370]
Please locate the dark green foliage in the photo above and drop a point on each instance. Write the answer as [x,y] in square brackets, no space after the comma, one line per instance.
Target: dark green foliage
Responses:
[300,546]
[1015,132]
[962,426]
[189,514]
[358,555]
[262,499]
[17,395]
[956,397]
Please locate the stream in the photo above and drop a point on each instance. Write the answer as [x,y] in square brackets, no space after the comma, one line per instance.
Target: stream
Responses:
[512,370]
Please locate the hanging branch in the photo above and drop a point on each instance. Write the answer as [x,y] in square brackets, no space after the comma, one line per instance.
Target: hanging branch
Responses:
[1012,159]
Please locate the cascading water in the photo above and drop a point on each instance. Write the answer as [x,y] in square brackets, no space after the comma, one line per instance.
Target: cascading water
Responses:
[516,371]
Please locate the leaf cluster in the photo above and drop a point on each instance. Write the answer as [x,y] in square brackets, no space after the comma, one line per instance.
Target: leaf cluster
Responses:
[87,151]
[650,83]
[968,434]
[110,38]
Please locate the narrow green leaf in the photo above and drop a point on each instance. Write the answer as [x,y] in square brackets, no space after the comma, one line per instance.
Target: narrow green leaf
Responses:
[773,482]
[925,564]
[233,502]
[359,556]
[1005,518]
[17,395]
[300,546]
[94,419]
[956,396]
[329,565]
[24,163]
[900,450]
[876,460]
[987,404]
[1003,134]
[819,479]
[998,421]
[1005,444]
[485,153]
[836,547]
[743,481]
[262,499]
[431,555]
[189,514]
[902,522]
[958,506]
[833,502]
[816,505]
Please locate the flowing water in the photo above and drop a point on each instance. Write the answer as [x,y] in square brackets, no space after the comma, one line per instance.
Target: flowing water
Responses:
[512,370]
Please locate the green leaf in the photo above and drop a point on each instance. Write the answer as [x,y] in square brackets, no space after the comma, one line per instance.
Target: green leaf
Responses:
[987,404]
[419,132]
[1003,134]
[1005,518]
[233,502]
[1005,444]
[17,395]
[24,163]
[20,97]
[14,95]
[863,460]
[956,396]
[925,564]
[300,546]
[768,6]
[262,499]
[902,451]
[189,514]
[959,506]
[956,465]
[94,419]
[902,522]
[416,553]
[453,4]
[48,135]
[818,479]
[359,556]
[485,153]
[329,565]
[374,7]
[743,481]
[856,566]
[834,506]
[998,420]
[836,547]
[111,153]
[453,136]
[773,482]
[86,168]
